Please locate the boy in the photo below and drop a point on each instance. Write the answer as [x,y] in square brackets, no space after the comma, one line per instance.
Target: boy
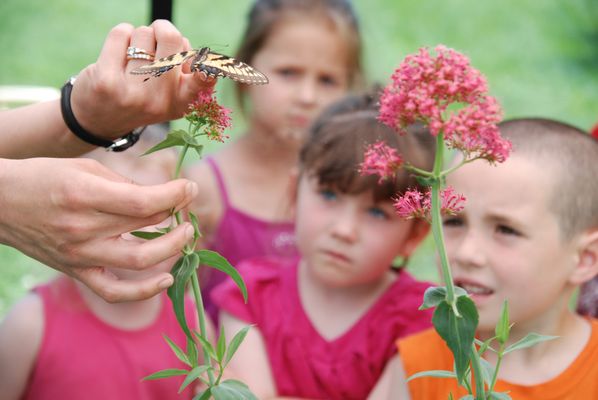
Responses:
[528,234]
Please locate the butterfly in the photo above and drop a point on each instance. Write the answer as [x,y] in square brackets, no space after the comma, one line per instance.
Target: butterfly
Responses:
[205,60]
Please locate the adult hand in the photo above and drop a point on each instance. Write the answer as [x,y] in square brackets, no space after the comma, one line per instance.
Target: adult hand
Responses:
[70,214]
[109,101]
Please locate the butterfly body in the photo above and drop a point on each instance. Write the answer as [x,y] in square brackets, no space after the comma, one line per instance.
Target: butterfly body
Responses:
[205,60]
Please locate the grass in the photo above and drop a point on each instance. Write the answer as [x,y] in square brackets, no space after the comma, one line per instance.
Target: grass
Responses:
[539,58]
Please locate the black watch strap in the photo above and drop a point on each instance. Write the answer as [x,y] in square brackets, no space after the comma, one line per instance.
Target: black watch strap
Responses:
[71,122]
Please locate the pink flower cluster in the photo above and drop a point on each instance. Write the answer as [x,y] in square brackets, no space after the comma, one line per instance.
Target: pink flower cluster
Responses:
[414,204]
[205,110]
[380,159]
[449,96]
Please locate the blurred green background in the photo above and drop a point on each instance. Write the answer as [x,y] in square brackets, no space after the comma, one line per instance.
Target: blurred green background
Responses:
[540,58]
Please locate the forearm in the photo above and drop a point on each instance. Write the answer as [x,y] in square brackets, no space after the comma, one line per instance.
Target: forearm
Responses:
[38,130]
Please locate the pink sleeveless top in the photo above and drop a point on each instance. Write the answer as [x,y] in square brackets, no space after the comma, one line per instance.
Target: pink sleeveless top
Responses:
[82,357]
[306,365]
[241,236]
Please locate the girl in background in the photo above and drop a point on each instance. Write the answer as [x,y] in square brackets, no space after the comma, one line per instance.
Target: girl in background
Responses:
[325,324]
[310,51]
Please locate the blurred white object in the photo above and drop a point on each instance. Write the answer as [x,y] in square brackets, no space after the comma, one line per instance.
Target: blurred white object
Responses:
[14,96]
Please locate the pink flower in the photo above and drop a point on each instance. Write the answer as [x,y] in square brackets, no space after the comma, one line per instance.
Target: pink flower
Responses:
[382,160]
[451,203]
[424,87]
[205,111]
[414,204]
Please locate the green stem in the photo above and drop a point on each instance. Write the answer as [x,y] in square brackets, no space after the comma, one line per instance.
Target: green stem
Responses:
[476,365]
[437,224]
[177,173]
[202,322]
[497,367]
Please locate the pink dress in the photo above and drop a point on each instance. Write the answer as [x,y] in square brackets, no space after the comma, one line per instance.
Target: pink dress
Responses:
[241,236]
[303,363]
[82,357]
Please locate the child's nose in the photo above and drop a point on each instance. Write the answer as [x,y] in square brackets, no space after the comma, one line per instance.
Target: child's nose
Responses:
[467,251]
[345,225]
[307,91]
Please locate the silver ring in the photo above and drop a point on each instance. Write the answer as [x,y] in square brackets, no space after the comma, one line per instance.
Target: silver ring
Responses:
[135,53]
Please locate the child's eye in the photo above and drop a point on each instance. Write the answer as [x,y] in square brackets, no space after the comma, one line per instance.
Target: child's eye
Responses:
[507,230]
[328,194]
[378,212]
[287,72]
[452,222]
[328,80]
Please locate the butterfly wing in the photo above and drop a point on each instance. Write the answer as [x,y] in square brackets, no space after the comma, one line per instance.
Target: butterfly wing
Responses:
[165,64]
[216,64]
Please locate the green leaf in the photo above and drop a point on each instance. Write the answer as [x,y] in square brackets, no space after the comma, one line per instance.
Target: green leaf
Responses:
[232,390]
[147,235]
[203,395]
[166,373]
[215,260]
[166,229]
[182,271]
[180,354]
[499,396]
[192,352]
[206,345]
[174,138]
[198,150]
[435,295]
[502,326]
[484,346]
[457,332]
[467,397]
[531,339]
[434,373]
[221,345]
[193,375]
[235,343]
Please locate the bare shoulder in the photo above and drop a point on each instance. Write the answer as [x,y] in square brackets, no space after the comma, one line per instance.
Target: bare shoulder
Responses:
[21,334]
[24,322]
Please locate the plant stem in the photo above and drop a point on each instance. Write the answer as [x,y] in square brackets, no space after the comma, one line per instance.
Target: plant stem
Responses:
[202,322]
[437,224]
[177,173]
[476,366]
[496,368]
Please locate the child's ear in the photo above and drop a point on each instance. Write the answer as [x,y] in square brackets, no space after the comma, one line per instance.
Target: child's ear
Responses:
[419,230]
[587,258]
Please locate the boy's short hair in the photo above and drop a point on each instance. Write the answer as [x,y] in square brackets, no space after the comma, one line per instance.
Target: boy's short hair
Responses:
[570,155]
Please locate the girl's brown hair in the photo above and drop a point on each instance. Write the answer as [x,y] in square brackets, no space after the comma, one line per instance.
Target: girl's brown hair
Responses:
[339,138]
[266,14]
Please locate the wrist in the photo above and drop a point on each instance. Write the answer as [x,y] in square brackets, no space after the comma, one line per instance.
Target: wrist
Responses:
[85,135]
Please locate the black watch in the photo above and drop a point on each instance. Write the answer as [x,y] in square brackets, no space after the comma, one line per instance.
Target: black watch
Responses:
[120,144]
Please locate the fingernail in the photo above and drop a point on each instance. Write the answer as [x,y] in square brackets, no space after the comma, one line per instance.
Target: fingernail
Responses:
[191,189]
[166,282]
[189,232]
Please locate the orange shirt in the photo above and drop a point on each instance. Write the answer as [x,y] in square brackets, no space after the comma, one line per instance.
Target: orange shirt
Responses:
[427,351]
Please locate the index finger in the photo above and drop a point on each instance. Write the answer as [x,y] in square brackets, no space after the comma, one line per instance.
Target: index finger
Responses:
[112,56]
[133,200]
